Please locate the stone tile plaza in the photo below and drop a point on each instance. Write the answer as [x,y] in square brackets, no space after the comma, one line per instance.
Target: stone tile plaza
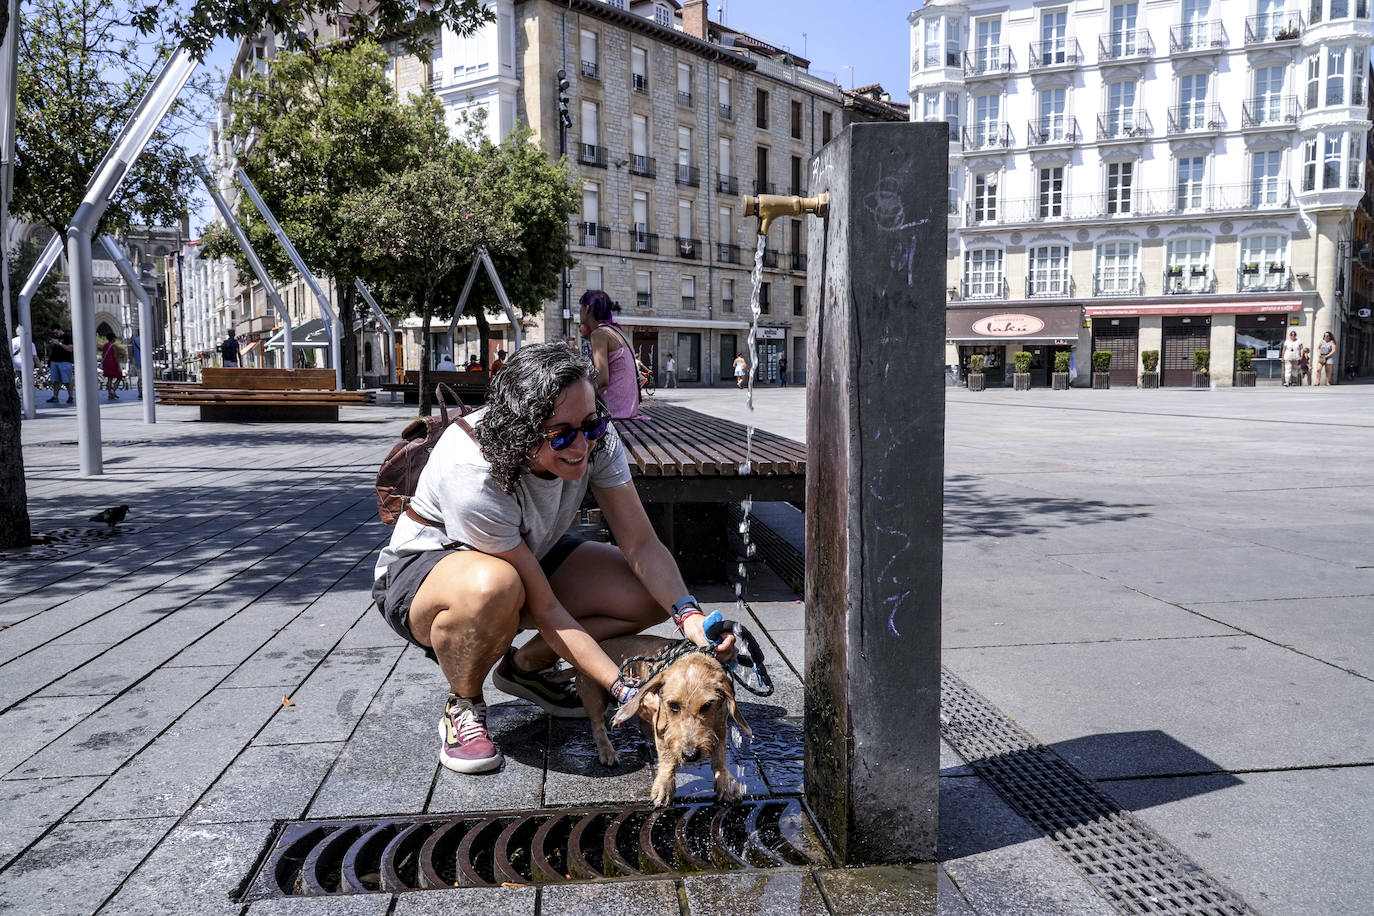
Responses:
[1147,587]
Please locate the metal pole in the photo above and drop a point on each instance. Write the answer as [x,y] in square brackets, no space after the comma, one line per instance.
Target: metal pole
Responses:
[41,268]
[484,259]
[145,320]
[331,321]
[9,92]
[254,261]
[381,316]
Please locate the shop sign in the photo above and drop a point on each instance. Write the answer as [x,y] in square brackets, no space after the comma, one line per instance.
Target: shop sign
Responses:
[1040,324]
[1008,325]
[1363,313]
[772,333]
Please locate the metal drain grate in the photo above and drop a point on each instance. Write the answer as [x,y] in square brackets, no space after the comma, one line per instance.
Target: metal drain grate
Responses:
[59,542]
[390,855]
[1133,867]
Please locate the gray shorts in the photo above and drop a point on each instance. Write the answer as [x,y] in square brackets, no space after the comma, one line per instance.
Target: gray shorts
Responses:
[396,589]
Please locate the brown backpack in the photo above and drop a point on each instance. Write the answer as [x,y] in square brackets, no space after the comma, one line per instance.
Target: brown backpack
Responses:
[400,471]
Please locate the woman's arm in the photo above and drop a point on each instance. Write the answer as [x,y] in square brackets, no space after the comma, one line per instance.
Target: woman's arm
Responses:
[601,358]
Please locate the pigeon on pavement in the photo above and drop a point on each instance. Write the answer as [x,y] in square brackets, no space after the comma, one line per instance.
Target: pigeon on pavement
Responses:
[111,516]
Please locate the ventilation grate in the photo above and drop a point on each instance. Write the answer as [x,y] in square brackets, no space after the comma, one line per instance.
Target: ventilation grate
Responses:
[59,542]
[390,855]
[1133,867]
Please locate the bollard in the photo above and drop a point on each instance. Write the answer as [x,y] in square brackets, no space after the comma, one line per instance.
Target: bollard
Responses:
[874,490]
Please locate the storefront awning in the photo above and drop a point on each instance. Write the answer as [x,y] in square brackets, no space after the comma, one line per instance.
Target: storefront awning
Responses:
[1121,309]
[1014,324]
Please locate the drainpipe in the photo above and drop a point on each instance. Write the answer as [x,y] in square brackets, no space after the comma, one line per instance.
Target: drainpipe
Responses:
[253,261]
[145,320]
[40,271]
[331,321]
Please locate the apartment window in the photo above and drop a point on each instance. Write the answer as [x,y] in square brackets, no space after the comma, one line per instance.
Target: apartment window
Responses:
[1309,165]
[796,175]
[931,106]
[765,298]
[684,156]
[988,120]
[1335,76]
[1120,182]
[643,289]
[987,45]
[727,295]
[1192,101]
[796,120]
[799,300]
[591,214]
[1053,123]
[1118,268]
[1314,77]
[985,186]
[1264,177]
[760,108]
[1331,161]
[983,273]
[593,278]
[663,15]
[684,228]
[1268,101]
[639,69]
[952,106]
[684,84]
[639,211]
[932,56]
[826,121]
[1357,72]
[589,56]
[639,145]
[1263,261]
[1050,200]
[1189,186]
[689,292]
[1355,164]
[1188,265]
[1049,271]
[591,134]
[726,90]
[1054,37]
[1121,115]
[1123,35]
[1193,32]
[761,171]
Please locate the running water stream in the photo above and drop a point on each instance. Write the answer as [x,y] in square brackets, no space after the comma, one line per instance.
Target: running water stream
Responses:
[747,467]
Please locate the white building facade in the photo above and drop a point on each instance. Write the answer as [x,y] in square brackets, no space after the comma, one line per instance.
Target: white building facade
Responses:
[1131,176]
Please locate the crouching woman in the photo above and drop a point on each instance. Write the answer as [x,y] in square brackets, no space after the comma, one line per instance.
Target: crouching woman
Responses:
[484,551]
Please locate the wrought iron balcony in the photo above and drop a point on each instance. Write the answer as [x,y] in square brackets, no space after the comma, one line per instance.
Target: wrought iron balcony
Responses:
[1270,111]
[1053,130]
[643,301]
[593,235]
[1124,124]
[1045,287]
[642,240]
[990,61]
[1189,37]
[590,69]
[727,184]
[764,187]
[643,165]
[797,260]
[1130,44]
[1184,281]
[1195,119]
[1118,283]
[684,98]
[689,248]
[770,257]
[689,302]
[989,288]
[1264,278]
[1055,52]
[727,253]
[639,82]
[987,136]
[688,175]
[1275,26]
[727,112]
[949,58]
[592,154]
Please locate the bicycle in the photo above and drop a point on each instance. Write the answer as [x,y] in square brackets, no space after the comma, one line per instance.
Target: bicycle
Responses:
[647,385]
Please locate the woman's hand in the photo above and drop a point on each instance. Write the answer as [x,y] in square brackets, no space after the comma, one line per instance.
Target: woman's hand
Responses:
[694,629]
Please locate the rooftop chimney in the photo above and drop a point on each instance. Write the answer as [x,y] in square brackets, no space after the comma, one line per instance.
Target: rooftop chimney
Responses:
[694,19]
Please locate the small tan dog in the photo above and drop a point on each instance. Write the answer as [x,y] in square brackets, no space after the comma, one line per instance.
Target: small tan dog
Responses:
[695,697]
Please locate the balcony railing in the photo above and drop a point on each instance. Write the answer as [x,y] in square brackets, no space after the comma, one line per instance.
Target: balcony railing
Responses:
[1055,52]
[1118,283]
[1189,37]
[727,252]
[797,261]
[991,61]
[1128,45]
[684,98]
[764,187]
[689,302]
[989,288]
[1270,111]
[770,257]
[593,235]
[589,69]
[727,184]
[987,136]
[643,165]
[1052,130]
[689,248]
[1183,281]
[639,82]
[1275,26]
[1124,124]
[1043,287]
[688,175]
[949,58]
[727,111]
[1264,278]
[592,154]
[642,240]
[1195,118]
[643,301]
[1125,202]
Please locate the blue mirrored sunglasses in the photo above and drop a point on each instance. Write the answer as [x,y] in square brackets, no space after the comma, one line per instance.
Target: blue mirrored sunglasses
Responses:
[593,429]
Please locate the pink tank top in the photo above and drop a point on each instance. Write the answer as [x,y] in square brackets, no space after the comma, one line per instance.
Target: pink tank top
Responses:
[622,393]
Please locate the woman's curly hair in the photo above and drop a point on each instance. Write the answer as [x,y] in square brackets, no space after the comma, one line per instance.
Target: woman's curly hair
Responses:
[521,399]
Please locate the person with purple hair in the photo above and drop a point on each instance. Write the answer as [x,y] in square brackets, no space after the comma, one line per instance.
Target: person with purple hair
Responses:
[617,381]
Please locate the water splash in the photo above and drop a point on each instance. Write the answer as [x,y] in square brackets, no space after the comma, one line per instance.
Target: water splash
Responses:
[747,466]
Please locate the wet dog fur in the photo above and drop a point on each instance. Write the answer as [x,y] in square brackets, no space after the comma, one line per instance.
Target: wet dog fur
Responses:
[695,698]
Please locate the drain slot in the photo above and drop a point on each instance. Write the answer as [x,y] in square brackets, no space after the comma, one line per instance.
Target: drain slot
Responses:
[390,855]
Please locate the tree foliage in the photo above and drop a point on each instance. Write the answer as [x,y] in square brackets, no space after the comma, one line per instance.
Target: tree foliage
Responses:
[47,309]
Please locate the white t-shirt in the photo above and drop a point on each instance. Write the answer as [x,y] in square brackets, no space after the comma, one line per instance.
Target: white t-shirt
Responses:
[1292,349]
[456,488]
[17,344]
[672,364]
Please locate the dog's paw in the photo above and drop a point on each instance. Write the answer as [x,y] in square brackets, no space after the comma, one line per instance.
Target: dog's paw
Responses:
[607,755]
[662,794]
[729,789]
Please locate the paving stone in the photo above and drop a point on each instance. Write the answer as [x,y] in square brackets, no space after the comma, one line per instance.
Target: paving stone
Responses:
[31,725]
[77,866]
[194,869]
[637,898]
[1339,631]
[30,673]
[304,641]
[28,807]
[238,637]
[171,773]
[371,631]
[267,783]
[574,775]
[105,740]
[776,892]
[883,891]
[950,902]
[361,905]
[329,703]
[470,901]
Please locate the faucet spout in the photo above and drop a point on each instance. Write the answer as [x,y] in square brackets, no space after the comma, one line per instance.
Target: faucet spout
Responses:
[768,207]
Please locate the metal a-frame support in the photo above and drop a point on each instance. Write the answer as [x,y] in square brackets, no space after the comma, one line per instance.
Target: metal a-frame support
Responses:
[145,323]
[484,259]
[41,268]
[381,316]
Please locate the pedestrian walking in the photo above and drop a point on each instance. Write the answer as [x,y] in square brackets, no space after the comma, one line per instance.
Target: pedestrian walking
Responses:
[670,370]
[741,368]
[484,550]
[1326,355]
[16,351]
[60,368]
[229,351]
[1291,354]
[782,371]
[109,366]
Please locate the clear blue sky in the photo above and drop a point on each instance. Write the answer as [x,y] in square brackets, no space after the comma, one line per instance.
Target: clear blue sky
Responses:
[872,37]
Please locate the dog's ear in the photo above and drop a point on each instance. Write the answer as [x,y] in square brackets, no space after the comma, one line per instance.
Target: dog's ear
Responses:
[629,710]
[729,691]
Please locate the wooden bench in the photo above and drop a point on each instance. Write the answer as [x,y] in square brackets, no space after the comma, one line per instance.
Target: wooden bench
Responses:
[470,386]
[262,395]
[686,467]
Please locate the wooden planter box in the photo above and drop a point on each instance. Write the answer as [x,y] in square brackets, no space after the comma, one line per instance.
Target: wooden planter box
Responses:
[1102,380]
[1059,381]
[1245,379]
[1020,381]
[1149,380]
[1202,380]
[977,381]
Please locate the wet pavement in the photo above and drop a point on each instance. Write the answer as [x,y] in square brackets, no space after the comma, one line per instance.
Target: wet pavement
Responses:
[1169,592]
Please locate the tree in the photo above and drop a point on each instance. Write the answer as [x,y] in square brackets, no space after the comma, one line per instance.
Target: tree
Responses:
[47,307]
[325,124]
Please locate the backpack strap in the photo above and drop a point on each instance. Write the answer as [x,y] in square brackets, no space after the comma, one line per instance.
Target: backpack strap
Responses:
[467,428]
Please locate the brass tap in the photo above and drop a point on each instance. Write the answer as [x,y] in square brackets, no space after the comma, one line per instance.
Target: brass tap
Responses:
[768,207]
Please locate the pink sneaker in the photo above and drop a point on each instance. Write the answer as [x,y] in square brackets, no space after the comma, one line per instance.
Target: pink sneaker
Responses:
[465,746]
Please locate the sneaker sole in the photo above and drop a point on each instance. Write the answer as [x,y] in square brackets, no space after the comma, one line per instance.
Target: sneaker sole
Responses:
[524,693]
[466,766]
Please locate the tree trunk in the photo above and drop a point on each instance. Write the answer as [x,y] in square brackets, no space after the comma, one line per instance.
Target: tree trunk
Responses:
[426,311]
[483,336]
[14,513]
[348,341]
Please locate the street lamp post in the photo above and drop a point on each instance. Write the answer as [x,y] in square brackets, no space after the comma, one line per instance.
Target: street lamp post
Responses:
[564,122]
